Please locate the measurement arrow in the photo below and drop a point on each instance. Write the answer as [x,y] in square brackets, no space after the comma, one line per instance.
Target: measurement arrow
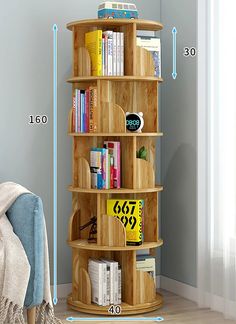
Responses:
[55,30]
[174,73]
[120,319]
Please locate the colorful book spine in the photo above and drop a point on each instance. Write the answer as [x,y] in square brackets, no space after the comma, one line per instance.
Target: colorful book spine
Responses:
[82,100]
[96,169]
[87,105]
[111,171]
[73,113]
[93,43]
[93,110]
[76,111]
[114,150]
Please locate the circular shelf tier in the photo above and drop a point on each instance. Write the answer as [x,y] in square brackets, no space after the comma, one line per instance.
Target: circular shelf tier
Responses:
[141,24]
[115,191]
[117,134]
[113,78]
[84,245]
[126,308]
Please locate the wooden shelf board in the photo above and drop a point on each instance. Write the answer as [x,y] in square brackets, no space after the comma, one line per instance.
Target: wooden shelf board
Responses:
[113,78]
[84,245]
[126,308]
[117,134]
[115,191]
[140,23]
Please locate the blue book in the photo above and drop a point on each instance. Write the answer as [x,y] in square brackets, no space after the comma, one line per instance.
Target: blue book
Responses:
[103,164]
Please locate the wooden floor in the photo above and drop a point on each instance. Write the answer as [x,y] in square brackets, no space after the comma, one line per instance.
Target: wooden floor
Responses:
[176,310]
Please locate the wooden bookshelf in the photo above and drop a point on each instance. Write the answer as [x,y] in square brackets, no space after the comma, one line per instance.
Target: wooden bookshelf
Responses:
[136,91]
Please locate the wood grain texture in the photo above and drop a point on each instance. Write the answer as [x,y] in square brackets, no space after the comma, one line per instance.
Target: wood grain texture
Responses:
[145,288]
[84,175]
[127,261]
[84,62]
[159,134]
[129,78]
[115,191]
[141,24]
[113,232]
[85,290]
[70,123]
[144,62]
[31,315]
[83,244]
[112,118]
[73,227]
[145,176]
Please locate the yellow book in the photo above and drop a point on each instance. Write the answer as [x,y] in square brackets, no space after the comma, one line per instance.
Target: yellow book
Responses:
[130,212]
[93,43]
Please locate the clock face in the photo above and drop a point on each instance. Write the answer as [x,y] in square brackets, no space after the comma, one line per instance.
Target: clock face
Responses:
[133,122]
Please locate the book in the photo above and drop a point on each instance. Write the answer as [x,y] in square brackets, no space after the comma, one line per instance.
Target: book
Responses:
[111,171]
[118,54]
[152,44]
[109,52]
[130,213]
[103,55]
[96,273]
[119,285]
[121,54]
[113,280]
[96,169]
[148,264]
[87,106]
[93,43]
[73,113]
[114,150]
[114,52]
[93,110]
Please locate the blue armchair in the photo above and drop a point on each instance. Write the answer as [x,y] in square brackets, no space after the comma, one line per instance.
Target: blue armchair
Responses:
[26,217]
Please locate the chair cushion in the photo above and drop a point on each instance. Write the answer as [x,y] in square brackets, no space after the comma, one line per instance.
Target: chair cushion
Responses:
[26,217]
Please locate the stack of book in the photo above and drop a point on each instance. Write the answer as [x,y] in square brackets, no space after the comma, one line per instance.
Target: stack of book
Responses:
[152,44]
[146,263]
[105,276]
[106,51]
[84,112]
[105,166]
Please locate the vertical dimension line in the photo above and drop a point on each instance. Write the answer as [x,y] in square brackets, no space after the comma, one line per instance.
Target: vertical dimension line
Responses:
[55,29]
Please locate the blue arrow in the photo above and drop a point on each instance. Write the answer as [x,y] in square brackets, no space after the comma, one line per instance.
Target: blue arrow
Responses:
[55,30]
[120,319]
[174,73]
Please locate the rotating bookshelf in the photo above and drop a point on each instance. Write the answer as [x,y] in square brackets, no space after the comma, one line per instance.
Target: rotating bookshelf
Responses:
[136,91]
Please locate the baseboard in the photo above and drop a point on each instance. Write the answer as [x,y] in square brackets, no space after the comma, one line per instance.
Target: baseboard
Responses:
[179,288]
[62,290]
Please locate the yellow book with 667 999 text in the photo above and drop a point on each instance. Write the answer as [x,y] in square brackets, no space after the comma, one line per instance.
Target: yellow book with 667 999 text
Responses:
[130,212]
[93,43]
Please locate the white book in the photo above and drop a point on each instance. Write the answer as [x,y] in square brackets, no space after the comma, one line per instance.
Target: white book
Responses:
[109,37]
[119,285]
[118,53]
[122,48]
[95,270]
[114,53]
[108,285]
[113,281]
